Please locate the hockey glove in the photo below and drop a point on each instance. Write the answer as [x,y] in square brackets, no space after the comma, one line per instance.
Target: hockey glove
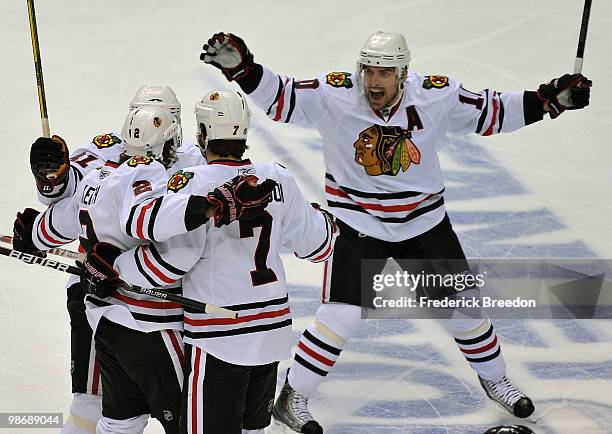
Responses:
[22,232]
[230,54]
[49,161]
[240,198]
[99,277]
[568,92]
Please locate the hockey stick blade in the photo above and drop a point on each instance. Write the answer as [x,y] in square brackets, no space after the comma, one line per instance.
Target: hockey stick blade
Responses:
[57,251]
[157,293]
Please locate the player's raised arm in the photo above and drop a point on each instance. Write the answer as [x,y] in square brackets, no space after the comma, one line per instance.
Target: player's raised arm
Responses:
[490,112]
[284,99]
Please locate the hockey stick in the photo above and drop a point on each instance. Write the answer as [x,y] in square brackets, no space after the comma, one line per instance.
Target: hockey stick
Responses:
[586,13]
[40,84]
[57,251]
[157,293]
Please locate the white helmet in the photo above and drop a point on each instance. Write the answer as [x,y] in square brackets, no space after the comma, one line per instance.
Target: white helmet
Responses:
[158,96]
[386,50]
[152,132]
[225,114]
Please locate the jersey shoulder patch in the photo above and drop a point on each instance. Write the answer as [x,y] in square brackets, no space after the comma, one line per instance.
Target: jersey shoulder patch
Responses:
[179,180]
[339,79]
[106,140]
[435,82]
[138,160]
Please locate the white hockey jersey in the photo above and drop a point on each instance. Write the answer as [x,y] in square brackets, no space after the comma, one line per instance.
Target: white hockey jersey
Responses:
[383,176]
[103,209]
[239,266]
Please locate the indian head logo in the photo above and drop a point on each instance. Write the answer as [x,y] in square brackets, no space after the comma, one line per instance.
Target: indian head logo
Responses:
[384,150]
[105,140]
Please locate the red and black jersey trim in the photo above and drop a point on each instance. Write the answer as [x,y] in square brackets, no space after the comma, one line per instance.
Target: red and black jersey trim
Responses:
[240,331]
[291,102]
[414,214]
[278,93]
[483,115]
[152,207]
[501,114]
[247,306]
[227,162]
[325,246]
[368,195]
[160,319]
[47,234]
[159,274]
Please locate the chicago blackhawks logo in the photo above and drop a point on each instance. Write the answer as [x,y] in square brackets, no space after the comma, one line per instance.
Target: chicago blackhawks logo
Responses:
[435,81]
[384,150]
[214,96]
[339,79]
[179,180]
[139,159]
[105,140]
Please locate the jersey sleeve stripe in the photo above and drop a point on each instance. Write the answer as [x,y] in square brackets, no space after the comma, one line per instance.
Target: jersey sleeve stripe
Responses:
[141,217]
[239,320]
[142,271]
[501,115]
[52,228]
[281,103]
[171,268]
[483,115]
[46,237]
[130,220]
[278,92]
[291,102]
[495,103]
[153,268]
[154,211]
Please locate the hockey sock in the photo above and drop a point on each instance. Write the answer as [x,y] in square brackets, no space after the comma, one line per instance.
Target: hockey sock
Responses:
[321,345]
[477,340]
[85,412]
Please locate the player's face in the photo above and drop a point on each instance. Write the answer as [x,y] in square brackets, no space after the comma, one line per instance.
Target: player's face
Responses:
[365,151]
[381,85]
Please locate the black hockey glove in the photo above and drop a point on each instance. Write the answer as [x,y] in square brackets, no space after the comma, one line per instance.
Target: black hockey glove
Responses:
[568,92]
[241,198]
[230,54]
[49,161]
[22,232]
[99,277]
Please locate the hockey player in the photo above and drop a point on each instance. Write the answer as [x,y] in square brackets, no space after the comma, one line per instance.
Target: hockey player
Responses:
[137,337]
[380,126]
[232,363]
[57,174]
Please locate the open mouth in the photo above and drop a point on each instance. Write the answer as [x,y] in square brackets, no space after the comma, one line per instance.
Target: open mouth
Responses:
[376,94]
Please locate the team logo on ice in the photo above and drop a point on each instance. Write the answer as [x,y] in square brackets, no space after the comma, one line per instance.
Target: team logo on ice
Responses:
[179,180]
[105,140]
[384,150]
[139,159]
[339,79]
[435,82]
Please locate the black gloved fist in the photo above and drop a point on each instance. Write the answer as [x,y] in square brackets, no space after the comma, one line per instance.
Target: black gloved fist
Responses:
[230,54]
[22,232]
[241,198]
[99,277]
[49,161]
[568,92]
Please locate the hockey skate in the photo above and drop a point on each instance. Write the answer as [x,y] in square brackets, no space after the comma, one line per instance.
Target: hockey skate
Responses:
[291,410]
[508,396]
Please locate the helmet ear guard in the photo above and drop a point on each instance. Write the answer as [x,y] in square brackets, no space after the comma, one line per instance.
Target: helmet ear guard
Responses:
[152,132]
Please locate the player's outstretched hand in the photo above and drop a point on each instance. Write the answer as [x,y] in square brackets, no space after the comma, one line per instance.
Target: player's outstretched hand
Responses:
[49,161]
[568,92]
[98,275]
[22,232]
[241,198]
[230,54]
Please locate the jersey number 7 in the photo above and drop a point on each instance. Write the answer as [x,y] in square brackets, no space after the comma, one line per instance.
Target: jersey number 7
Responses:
[261,274]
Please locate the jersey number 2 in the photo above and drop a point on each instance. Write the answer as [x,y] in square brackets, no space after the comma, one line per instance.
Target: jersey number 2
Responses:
[261,274]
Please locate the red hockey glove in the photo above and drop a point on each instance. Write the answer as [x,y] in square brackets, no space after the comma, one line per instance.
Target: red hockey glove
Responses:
[241,198]
[568,92]
[99,277]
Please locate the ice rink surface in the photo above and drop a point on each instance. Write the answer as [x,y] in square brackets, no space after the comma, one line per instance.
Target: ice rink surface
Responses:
[543,191]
